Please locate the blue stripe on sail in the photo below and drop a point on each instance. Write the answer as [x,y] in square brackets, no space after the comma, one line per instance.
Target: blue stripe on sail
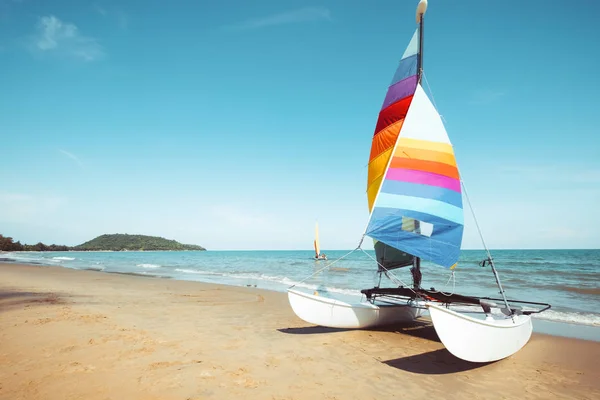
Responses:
[406,68]
[419,204]
[442,247]
[424,191]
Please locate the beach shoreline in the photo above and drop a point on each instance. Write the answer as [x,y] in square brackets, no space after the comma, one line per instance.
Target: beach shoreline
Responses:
[67,333]
[577,321]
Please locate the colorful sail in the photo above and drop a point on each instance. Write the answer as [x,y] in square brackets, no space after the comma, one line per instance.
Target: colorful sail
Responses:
[391,117]
[390,121]
[418,208]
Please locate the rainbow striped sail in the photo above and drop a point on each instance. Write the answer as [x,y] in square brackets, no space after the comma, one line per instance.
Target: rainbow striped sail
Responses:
[391,117]
[413,188]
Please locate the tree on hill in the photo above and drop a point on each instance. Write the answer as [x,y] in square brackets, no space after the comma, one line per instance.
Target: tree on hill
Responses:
[7,244]
[118,242]
[115,242]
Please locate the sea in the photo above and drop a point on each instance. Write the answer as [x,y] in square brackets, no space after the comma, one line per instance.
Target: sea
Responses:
[569,280]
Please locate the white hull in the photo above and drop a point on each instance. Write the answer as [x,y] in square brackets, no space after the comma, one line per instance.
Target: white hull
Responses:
[477,340]
[325,311]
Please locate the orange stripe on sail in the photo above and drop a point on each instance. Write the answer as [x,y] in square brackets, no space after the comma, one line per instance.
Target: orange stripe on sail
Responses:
[426,166]
[385,139]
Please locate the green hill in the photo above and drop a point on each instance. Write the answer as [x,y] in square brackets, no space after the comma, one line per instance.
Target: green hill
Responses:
[118,242]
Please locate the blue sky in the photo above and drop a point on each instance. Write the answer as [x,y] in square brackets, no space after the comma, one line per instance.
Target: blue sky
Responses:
[237,124]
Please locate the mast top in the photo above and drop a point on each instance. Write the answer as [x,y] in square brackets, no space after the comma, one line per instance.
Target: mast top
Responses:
[421,8]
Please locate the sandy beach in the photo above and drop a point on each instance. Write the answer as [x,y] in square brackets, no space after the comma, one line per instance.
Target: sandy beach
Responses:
[70,334]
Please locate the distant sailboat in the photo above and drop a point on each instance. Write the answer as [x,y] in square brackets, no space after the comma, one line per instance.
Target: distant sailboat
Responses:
[318,255]
[416,213]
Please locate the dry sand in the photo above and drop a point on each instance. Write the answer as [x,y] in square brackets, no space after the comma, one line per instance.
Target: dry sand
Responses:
[68,334]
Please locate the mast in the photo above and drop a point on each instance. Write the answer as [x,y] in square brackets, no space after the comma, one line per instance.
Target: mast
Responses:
[421,8]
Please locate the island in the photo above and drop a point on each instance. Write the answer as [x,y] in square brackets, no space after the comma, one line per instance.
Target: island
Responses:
[107,242]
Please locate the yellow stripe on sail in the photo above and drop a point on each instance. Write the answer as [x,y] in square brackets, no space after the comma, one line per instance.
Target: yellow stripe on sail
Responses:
[372,191]
[376,172]
[424,145]
[425,155]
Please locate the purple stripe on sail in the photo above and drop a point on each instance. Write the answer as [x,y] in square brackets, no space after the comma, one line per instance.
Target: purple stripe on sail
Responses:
[400,90]
[425,178]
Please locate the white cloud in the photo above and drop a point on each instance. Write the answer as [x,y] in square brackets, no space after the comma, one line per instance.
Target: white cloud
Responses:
[306,14]
[56,36]
[72,157]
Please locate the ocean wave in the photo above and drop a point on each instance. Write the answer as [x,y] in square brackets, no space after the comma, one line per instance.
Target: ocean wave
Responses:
[570,317]
[148,266]
[538,263]
[30,258]
[196,271]
[64,258]
[277,279]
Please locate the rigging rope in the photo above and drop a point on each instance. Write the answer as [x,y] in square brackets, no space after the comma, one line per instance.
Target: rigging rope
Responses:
[452,277]
[388,273]
[432,98]
[461,181]
[326,266]
[489,255]
[476,223]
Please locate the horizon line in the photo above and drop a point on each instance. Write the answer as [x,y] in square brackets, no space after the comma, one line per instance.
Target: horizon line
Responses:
[312,250]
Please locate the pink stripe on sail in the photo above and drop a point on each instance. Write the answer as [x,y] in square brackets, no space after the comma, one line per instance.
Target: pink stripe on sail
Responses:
[425,178]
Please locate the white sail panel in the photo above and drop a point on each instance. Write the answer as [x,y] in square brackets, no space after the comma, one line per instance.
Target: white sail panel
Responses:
[423,121]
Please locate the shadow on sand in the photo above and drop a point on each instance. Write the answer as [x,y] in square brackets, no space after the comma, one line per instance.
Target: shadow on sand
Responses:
[419,328]
[311,330]
[436,362]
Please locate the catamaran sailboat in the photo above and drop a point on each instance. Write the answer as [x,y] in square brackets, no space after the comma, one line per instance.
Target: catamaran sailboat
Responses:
[415,201]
